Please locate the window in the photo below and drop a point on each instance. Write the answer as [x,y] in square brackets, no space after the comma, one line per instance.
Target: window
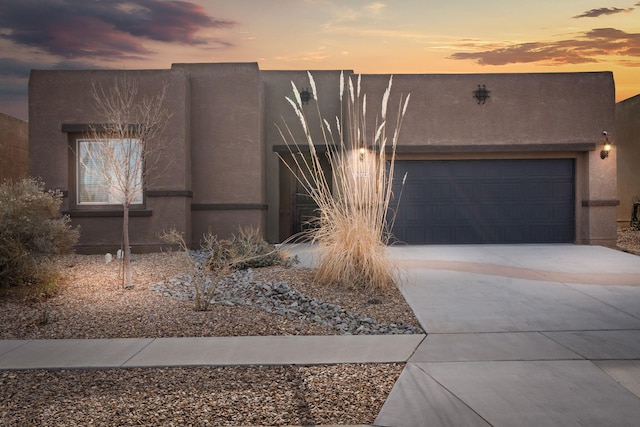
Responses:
[108,171]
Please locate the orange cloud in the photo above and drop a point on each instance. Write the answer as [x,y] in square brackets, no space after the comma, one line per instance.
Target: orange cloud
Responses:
[589,47]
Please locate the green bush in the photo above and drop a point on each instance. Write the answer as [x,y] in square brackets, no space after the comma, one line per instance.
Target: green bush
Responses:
[31,230]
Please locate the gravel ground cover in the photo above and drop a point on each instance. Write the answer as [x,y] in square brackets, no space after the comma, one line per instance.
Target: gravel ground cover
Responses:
[242,396]
[93,304]
[629,240]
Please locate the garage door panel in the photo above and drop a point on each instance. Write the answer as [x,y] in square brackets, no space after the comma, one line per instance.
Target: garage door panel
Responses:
[537,190]
[563,190]
[496,191]
[416,233]
[442,213]
[415,213]
[560,212]
[511,213]
[413,191]
[443,234]
[493,212]
[439,190]
[487,201]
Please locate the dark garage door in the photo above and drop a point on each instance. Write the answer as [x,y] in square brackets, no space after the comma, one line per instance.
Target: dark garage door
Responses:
[485,201]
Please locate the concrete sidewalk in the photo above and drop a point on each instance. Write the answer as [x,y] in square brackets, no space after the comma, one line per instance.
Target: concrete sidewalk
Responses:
[213,351]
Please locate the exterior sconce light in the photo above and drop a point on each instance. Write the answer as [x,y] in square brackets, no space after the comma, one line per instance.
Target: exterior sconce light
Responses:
[362,151]
[481,94]
[604,153]
[305,96]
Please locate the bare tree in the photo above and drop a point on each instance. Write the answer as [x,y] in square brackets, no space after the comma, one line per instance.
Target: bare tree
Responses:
[123,153]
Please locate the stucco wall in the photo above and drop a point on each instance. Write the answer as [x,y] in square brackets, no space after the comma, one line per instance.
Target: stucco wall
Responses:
[526,115]
[544,108]
[227,153]
[14,152]
[628,150]
[62,100]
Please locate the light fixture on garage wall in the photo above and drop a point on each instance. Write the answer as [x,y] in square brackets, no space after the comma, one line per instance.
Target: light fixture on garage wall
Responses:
[481,94]
[305,96]
[606,147]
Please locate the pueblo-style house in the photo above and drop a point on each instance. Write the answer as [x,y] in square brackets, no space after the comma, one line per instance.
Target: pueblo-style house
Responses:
[490,158]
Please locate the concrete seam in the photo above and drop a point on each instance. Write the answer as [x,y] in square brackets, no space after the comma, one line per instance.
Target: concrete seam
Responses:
[453,394]
[137,352]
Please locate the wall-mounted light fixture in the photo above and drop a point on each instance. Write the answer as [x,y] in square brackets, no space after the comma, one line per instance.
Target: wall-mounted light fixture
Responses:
[606,147]
[481,94]
[305,95]
[362,152]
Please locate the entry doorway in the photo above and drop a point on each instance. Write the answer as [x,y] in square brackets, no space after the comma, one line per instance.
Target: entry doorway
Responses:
[298,210]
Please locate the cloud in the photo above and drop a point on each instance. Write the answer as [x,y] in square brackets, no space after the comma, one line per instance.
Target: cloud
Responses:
[594,13]
[375,7]
[343,14]
[101,28]
[587,48]
[18,69]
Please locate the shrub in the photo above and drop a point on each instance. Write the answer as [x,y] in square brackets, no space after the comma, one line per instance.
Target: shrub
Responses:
[244,250]
[31,230]
[250,250]
[203,283]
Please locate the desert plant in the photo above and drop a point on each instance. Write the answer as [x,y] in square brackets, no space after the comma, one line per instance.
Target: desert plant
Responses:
[252,251]
[222,257]
[125,151]
[31,230]
[354,215]
[204,274]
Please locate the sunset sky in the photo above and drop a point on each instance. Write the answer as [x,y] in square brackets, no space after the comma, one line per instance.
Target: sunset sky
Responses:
[385,36]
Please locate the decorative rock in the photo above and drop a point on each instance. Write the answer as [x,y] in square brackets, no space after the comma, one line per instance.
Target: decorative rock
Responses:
[239,288]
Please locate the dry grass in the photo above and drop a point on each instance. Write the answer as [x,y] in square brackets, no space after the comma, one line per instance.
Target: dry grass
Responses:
[352,226]
[352,253]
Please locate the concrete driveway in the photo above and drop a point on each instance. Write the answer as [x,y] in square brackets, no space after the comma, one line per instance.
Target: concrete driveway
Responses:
[520,335]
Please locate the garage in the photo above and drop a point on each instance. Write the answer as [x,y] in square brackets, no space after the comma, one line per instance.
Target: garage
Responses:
[485,201]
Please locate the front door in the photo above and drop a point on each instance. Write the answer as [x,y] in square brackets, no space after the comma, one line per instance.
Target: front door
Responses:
[298,210]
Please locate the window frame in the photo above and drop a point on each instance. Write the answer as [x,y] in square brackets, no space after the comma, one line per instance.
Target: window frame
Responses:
[79,167]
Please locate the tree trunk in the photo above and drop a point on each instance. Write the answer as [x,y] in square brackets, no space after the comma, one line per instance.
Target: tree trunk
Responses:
[127,253]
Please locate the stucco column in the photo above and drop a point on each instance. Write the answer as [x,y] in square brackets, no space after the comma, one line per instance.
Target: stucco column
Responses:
[600,202]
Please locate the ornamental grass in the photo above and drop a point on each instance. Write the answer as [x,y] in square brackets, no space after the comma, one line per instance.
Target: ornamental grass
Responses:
[354,217]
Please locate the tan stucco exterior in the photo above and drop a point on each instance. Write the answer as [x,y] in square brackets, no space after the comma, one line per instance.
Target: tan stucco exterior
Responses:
[225,171]
[628,148]
[14,148]
[227,147]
